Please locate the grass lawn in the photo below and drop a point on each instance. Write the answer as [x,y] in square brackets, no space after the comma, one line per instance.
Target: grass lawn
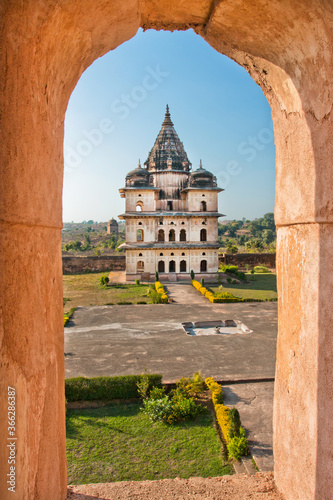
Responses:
[262,287]
[85,290]
[119,443]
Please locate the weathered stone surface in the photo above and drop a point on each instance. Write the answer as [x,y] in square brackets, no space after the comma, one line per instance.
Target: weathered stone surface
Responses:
[77,265]
[286,46]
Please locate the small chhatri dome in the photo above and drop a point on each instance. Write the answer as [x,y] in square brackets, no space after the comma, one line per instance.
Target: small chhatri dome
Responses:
[167,146]
[202,178]
[138,177]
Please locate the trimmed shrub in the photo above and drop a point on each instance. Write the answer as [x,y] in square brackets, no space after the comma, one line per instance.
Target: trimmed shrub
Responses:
[107,388]
[192,274]
[235,422]
[160,290]
[141,302]
[228,269]
[202,282]
[215,389]
[261,269]
[229,422]
[237,447]
[156,276]
[137,282]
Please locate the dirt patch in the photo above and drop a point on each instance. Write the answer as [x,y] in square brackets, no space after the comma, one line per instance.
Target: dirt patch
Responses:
[241,486]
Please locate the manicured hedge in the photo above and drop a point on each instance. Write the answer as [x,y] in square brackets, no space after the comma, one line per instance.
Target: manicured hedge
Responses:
[224,297]
[107,388]
[237,443]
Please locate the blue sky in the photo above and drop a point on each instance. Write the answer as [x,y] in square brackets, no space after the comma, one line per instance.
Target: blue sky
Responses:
[116,110]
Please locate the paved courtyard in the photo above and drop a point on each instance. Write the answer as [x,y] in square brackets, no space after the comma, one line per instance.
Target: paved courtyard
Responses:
[120,340]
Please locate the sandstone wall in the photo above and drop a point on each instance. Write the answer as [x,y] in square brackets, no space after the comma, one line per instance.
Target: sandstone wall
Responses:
[77,265]
[252,259]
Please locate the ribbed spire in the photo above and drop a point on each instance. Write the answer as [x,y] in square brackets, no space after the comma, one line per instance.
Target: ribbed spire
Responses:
[139,164]
[167,146]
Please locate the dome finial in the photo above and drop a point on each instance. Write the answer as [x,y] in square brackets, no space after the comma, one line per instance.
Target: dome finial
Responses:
[139,164]
[201,165]
[167,119]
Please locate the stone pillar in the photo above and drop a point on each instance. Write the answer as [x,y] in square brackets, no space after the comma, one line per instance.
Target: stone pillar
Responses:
[303,402]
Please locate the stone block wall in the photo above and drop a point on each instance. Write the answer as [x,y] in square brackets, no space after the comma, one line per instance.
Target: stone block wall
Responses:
[252,259]
[77,265]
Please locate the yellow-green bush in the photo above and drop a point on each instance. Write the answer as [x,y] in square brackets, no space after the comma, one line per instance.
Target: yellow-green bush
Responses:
[215,389]
[160,289]
[237,443]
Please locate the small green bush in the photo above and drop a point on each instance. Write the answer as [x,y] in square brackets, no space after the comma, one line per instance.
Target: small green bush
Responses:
[104,280]
[141,302]
[261,269]
[157,393]
[156,276]
[186,409]
[157,409]
[228,269]
[192,274]
[124,303]
[229,280]
[202,281]
[137,282]
[107,388]
[234,282]
[237,447]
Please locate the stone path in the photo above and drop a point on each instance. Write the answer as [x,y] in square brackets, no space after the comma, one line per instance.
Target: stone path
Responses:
[254,401]
[184,293]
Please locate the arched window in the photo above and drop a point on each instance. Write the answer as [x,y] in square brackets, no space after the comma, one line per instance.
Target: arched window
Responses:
[182,235]
[203,235]
[172,266]
[139,206]
[139,223]
[203,206]
[139,235]
[172,235]
[140,254]
[203,253]
[161,266]
[182,267]
[183,253]
[140,266]
[169,205]
[160,236]
[161,255]
[203,266]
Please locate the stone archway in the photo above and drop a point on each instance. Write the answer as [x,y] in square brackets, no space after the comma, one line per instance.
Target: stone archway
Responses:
[286,48]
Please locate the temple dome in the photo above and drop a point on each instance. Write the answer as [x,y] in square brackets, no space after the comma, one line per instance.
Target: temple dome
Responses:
[202,178]
[138,177]
[168,151]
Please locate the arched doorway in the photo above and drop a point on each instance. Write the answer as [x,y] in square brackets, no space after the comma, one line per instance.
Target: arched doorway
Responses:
[203,206]
[172,235]
[172,266]
[298,89]
[161,266]
[182,266]
[203,266]
[140,266]
[160,236]
[182,235]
